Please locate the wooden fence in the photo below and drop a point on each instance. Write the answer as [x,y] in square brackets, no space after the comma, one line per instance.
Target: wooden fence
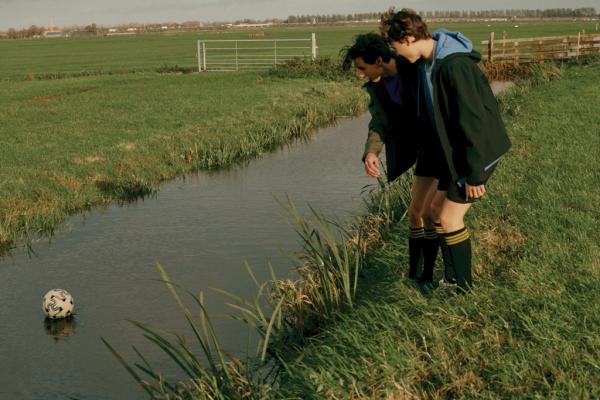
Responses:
[540,48]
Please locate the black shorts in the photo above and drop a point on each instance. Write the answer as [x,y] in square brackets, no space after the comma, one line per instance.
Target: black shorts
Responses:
[458,192]
[429,164]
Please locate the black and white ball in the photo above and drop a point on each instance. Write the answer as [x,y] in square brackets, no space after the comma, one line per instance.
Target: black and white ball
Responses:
[58,303]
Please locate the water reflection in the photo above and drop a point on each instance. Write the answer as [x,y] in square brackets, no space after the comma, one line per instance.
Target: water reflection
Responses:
[60,329]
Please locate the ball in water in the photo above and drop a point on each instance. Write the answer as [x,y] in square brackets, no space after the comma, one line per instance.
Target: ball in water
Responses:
[58,303]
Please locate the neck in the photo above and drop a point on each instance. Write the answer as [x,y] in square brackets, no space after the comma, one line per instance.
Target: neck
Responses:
[389,69]
[428,49]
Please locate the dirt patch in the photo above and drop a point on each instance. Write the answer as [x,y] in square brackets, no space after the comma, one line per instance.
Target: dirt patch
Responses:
[501,86]
[54,96]
[89,160]
[68,182]
[497,241]
[127,146]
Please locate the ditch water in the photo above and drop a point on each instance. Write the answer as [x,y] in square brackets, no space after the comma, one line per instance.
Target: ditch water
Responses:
[201,229]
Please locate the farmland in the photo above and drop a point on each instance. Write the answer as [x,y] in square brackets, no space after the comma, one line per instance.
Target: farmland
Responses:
[528,330]
[147,52]
[72,143]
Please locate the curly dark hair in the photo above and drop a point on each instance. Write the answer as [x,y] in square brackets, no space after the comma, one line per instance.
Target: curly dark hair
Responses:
[406,22]
[368,46]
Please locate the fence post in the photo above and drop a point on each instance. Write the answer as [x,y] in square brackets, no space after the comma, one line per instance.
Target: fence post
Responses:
[491,48]
[275,49]
[237,63]
[314,46]
[503,43]
[198,55]
[204,55]
[578,44]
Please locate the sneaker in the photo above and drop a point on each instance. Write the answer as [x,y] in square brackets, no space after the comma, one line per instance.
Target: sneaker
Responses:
[444,284]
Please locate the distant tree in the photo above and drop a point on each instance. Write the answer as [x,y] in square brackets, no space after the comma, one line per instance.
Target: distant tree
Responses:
[91,28]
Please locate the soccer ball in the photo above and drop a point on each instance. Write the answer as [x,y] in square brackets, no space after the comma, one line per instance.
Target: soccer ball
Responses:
[58,303]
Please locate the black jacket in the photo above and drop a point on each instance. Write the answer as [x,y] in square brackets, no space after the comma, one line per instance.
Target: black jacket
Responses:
[467,118]
[394,124]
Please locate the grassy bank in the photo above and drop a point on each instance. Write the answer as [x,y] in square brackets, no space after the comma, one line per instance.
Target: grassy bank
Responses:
[71,144]
[112,127]
[530,328]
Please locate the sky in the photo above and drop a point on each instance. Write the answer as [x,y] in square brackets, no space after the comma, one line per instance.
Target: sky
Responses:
[23,13]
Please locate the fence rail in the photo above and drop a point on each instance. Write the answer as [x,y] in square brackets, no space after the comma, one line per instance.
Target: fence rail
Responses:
[540,48]
[252,54]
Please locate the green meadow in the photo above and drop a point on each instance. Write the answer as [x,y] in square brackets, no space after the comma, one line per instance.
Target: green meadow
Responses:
[148,52]
[529,329]
[79,141]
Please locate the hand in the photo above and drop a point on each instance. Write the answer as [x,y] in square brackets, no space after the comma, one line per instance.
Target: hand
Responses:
[474,192]
[372,165]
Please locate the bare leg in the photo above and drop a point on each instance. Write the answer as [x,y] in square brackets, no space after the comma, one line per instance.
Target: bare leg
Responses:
[452,215]
[421,187]
[416,240]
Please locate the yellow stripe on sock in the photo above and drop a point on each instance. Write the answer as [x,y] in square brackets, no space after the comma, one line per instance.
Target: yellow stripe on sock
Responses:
[439,230]
[430,234]
[416,233]
[459,237]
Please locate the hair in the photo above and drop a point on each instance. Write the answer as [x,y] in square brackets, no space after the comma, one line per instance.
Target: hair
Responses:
[368,46]
[405,22]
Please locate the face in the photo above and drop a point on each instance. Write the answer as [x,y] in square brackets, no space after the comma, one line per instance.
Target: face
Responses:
[372,72]
[407,48]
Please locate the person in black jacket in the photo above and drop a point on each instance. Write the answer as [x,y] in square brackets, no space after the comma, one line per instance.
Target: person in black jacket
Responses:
[466,118]
[394,122]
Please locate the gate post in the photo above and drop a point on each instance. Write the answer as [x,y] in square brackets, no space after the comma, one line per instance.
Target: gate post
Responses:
[491,48]
[314,46]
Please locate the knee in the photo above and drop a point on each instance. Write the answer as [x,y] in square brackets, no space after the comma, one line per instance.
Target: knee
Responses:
[450,223]
[415,215]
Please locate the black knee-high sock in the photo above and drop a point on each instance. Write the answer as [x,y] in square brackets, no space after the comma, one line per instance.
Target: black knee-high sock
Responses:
[459,248]
[416,236]
[431,245]
[449,272]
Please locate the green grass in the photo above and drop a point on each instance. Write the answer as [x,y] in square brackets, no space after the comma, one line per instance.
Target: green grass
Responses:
[148,52]
[530,328]
[72,143]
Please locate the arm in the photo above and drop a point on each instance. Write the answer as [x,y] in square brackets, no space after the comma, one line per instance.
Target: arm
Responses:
[375,139]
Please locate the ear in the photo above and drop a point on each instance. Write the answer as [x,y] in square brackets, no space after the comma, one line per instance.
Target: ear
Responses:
[408,40]
[379,61]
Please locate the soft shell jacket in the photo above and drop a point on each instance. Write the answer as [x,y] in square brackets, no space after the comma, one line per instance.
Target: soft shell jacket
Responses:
[392,124]
[466,114]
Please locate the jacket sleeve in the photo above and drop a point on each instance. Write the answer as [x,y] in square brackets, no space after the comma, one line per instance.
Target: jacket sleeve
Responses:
[469,115]
[375,138]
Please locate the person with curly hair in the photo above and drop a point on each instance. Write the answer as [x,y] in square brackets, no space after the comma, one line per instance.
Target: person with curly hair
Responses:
[470,134]
[394,125]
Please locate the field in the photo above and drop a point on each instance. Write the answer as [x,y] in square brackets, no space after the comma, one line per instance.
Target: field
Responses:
[72,143]
[148,52]
[530,328]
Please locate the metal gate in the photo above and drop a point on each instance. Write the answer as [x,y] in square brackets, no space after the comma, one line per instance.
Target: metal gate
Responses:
[252,54]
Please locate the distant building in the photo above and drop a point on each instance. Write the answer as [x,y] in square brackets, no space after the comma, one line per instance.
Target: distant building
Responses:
[54,34]
[132,29]
[112,30]
[164,27]
[251,25]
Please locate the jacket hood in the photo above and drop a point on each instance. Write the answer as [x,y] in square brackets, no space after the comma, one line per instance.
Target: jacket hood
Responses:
[449,43]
